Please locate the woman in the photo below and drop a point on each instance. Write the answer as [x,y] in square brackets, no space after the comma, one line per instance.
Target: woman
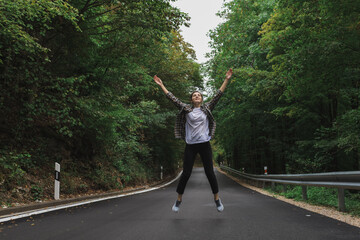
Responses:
[196,125]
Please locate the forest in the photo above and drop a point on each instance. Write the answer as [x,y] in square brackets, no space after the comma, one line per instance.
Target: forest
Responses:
[76,87]
[293,104]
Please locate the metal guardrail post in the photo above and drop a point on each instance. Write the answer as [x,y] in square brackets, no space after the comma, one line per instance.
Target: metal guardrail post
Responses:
[341,200]
[304,193]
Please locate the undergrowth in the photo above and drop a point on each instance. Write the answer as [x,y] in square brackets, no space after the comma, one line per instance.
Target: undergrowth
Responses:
[322,196]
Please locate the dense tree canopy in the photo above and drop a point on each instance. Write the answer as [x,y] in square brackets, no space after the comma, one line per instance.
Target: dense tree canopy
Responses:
[76,87]
[294,103]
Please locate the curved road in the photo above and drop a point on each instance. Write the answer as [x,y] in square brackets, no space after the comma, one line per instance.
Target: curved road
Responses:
[247,215]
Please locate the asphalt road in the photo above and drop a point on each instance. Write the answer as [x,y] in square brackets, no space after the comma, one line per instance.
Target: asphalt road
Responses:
[247,215]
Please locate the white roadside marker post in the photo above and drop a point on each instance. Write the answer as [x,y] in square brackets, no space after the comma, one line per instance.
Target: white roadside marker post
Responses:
[57,181]
[161,173]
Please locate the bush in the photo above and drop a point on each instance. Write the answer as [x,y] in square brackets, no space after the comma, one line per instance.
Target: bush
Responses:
[323,196]
[11,170]
[36,192]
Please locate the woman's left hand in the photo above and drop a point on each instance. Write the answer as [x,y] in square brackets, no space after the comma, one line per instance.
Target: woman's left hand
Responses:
[227,77]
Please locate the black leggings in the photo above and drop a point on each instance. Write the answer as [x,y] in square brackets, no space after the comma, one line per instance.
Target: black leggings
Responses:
[204,149]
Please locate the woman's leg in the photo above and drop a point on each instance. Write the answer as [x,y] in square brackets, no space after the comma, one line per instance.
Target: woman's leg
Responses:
[189,158]
[206,157]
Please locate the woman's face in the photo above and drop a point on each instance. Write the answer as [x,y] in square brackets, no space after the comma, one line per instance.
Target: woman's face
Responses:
[196,98]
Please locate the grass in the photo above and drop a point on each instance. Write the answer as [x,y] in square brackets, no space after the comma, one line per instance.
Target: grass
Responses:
[322,196]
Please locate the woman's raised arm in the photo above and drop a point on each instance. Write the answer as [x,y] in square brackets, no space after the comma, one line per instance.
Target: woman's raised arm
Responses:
[168,94]
[227,77]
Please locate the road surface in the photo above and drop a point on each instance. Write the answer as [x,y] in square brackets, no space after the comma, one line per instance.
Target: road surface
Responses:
[247,215]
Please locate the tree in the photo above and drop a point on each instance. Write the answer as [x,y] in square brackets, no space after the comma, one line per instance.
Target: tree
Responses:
[76,87]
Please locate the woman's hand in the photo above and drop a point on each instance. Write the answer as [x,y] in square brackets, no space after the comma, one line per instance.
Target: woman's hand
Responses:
[160,83]
[227,77]
[158,80]
[229,74]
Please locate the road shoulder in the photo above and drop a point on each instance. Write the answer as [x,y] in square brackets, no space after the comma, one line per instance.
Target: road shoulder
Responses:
[325,211]
[8,214]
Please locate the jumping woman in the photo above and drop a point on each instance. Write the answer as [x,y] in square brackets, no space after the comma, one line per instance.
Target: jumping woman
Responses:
[196,125]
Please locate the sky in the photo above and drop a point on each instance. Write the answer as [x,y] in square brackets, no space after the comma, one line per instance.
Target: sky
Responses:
[203,18]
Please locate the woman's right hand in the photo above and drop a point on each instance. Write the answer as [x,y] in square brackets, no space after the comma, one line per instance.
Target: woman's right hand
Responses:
[229,74]
[160,83]
[158,80]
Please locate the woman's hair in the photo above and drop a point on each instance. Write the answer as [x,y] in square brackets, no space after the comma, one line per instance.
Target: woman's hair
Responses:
[191,95]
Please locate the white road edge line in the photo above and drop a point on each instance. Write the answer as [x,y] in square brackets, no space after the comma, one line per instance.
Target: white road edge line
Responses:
[50,209]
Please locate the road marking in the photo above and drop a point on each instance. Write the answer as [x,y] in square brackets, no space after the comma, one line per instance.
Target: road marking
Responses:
[15,216]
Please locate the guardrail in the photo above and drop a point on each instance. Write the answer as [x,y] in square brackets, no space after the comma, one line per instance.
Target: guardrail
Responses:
[339,180]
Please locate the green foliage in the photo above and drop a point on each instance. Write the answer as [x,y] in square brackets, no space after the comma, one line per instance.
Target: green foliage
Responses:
[13,167]
[294,98]
[323,196]
[76,86]
[244,113]
[348,127]
[36,192]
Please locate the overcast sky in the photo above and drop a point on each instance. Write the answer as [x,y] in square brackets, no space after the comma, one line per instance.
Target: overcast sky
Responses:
[203,19]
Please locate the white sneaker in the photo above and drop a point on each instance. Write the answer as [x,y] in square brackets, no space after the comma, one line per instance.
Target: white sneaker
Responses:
[176,206]
[219,205]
